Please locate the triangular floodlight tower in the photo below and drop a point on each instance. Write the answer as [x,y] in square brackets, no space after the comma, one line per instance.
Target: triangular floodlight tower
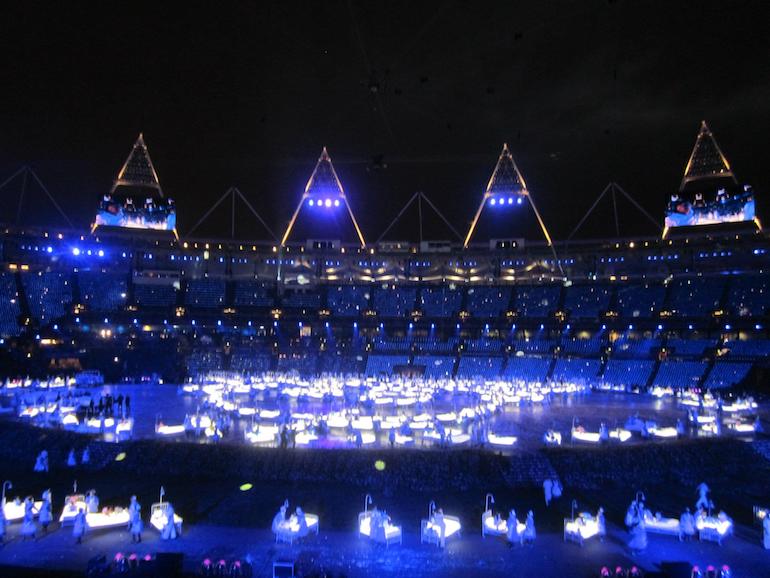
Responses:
[506,186]
[138,170]
[419,197]
[613,189]
[26,173]
[234,194]
[706,163]
[324,190]
[706,160]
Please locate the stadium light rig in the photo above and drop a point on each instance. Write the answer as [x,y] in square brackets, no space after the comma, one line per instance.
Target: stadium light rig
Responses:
[330,196]
[507,188]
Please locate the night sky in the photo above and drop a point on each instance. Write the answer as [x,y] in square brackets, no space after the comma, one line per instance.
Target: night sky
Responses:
[407,96]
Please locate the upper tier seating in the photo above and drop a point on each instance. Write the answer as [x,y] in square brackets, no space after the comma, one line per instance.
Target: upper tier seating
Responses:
[49,294]
[253,293]
[484,302]
[440,302]
[155,295]
[587,301]
[537,300]
[695,296]
[348,300]
[749,295]
[103,291]
[9,305]
[205,293]
[640,300]
[394,302]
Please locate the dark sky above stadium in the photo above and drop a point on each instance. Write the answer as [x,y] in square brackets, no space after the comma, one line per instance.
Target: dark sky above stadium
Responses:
[407,96]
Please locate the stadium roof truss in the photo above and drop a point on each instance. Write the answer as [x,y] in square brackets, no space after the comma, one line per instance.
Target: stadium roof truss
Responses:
[419,197]
[234,194]
[613,189]
[323,186]
[26,174]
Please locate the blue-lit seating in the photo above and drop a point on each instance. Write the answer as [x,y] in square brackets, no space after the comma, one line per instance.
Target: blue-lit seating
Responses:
[49,294]
[587,301]
[427,345]
[436,366]
[9,305]
[578,346]
[200,362]
[394,302]
[757,349]
[641,301]
[726,374]
[537,300]
[440,302]
[301,300]
[695,296]
[534,345]
[628,348]
[335,362]
[393,345]
[205,293]
[249,362]
[528,368]
[151,295]
[628,372]
[303,362]
[103,291]
[484,302]
[479,367]
[483,345]
[749,295]
[681,374]
[348,300]
[575,370]
[689,347]
[379,364]
[253,293]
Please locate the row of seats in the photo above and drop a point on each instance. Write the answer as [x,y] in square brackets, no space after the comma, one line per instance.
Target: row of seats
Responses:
[691,297]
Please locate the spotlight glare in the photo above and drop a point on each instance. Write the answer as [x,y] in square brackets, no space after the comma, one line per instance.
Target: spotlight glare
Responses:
[518,201]
[75,251]
[328,203]
[311,202]
[510,200]
[336,202]
[493,202]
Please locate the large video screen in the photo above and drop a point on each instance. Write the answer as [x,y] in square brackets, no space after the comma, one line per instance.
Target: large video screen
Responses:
[151,213]
[725,207]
